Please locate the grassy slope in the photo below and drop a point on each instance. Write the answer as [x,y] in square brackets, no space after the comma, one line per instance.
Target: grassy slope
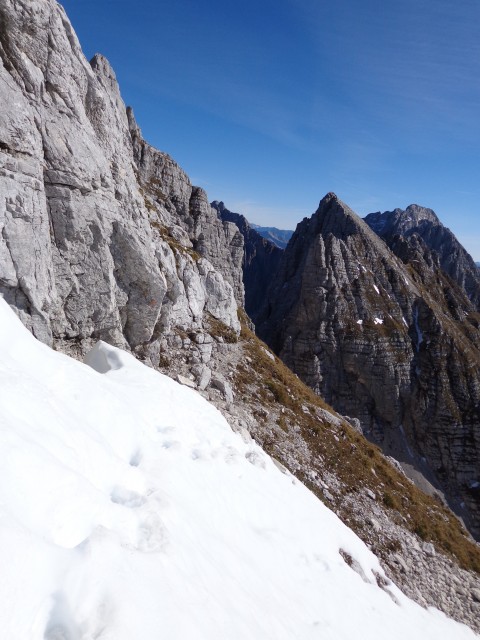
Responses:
[346,454]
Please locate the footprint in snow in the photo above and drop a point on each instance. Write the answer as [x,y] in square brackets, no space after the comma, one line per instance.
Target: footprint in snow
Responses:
[152,535]
[127,498]
[256,459]
[136,459]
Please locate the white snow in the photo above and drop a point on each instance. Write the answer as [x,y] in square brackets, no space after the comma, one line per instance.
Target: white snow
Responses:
[269,354]
[378,320]
[359,321]
[129,509]
[376,288]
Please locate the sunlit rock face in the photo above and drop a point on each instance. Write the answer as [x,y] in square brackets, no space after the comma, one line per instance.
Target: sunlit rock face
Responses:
[388,339]
[101,235]
[418,221]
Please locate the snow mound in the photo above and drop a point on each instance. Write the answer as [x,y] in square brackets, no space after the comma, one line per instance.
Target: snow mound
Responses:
[129,509]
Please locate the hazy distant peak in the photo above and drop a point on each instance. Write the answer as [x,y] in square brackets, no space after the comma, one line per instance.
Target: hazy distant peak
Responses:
[279,237]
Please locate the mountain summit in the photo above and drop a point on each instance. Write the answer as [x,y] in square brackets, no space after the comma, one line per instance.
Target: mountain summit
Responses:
[385,335]
[424,224]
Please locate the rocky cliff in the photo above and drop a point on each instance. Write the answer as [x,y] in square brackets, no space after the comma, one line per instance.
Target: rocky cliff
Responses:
[453,259]
[391,342]
[260,260]
[101,235]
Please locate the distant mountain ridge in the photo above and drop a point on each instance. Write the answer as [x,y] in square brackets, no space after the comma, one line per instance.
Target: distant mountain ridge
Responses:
[279,237]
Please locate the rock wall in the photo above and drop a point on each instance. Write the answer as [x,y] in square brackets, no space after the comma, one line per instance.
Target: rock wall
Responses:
[102,236]
[260,262]
[392,344]
[418,221]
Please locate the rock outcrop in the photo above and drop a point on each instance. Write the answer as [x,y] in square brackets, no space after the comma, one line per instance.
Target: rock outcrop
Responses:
[102,237]
[392,344]
[418,221]
[261,259]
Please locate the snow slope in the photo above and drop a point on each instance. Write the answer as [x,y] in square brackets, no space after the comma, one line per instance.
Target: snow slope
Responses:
[130,510]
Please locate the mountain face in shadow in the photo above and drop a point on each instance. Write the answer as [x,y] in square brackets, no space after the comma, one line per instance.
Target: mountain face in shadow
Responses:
[388,334]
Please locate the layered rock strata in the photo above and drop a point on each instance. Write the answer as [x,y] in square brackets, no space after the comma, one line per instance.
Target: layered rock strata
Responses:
[102,237]
[423,223]
[392,343]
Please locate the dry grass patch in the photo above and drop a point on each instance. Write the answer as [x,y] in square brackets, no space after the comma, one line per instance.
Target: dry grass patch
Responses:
[357,463]
[219,329]
[176,247]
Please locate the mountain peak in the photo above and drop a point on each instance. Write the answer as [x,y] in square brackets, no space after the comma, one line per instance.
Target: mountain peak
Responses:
[419,213]
[401,221]
[328,198]
[454,260]
[335,217]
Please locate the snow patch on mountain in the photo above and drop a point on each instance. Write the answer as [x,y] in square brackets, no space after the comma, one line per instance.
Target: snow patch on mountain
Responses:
[130,509]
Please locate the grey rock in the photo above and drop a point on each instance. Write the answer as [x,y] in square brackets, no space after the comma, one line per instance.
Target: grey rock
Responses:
[186,381]
[355,423]
[428,548]
[475,594]
[223,386]
[175,205]
[328,495]
[102,236]
[418,221]
[387,338]
[203,375]
[396,557]
[260,259]
[374,524]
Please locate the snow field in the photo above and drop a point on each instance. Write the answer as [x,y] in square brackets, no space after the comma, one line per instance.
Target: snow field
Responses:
[129,509]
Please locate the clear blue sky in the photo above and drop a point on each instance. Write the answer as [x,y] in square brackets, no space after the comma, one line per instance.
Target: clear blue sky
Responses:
[270,104]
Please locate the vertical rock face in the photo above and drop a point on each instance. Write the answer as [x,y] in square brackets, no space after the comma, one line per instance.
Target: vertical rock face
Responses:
[184,209]
[422,222]
[260,260]
[101,235]
[392,344]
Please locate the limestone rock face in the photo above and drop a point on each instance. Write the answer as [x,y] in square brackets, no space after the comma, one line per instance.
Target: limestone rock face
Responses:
[261,259]
[392,343]
[418,221]
[102,237]
[184,211]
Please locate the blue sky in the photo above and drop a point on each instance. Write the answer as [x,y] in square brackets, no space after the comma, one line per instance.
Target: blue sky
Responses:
[269,105]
